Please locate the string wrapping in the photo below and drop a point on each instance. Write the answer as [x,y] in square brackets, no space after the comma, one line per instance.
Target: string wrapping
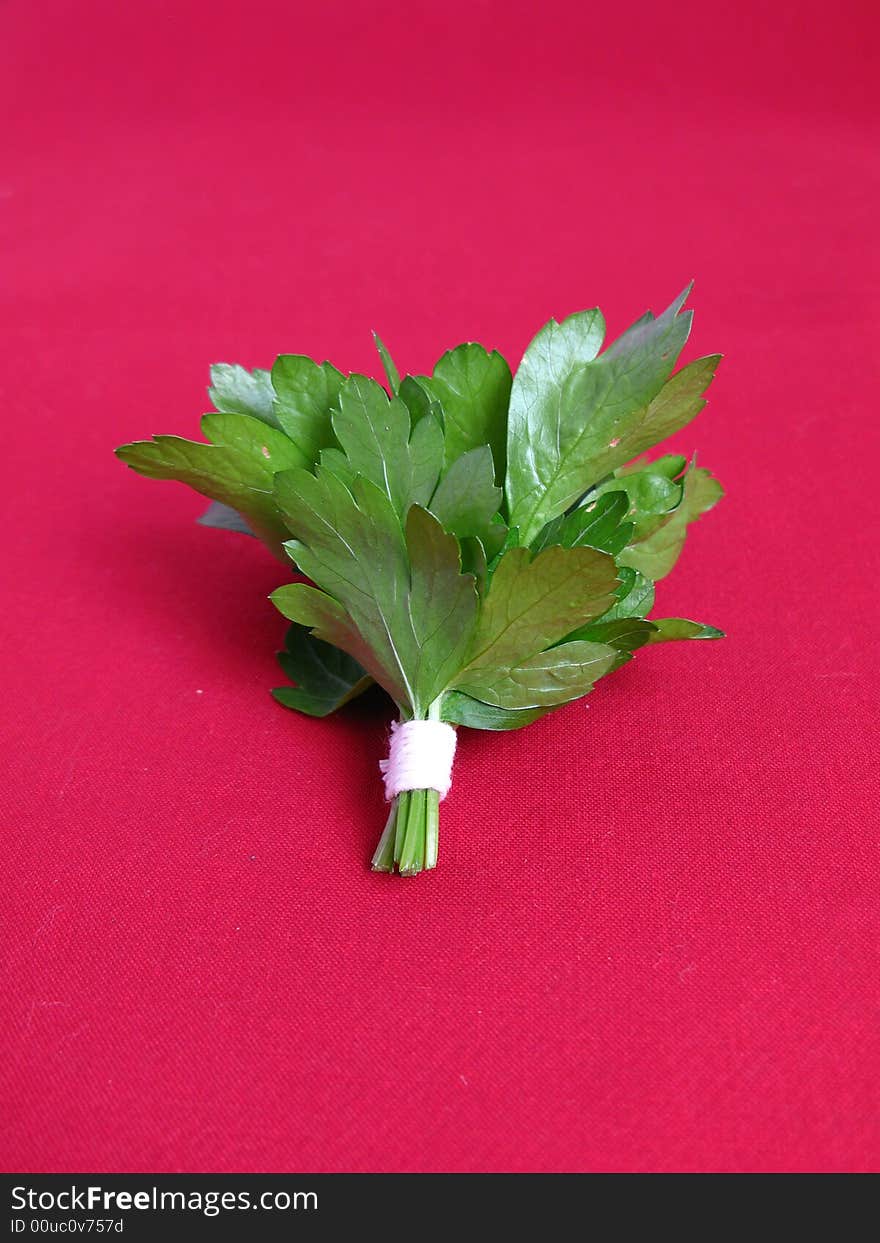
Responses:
[420,757]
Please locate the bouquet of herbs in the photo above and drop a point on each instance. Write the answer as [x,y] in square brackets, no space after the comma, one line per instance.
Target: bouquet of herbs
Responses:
[482,545]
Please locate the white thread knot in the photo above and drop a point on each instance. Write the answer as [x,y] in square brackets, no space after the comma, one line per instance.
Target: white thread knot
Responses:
[420,757]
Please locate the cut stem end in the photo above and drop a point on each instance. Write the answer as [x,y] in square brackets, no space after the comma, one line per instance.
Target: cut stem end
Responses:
[410,838]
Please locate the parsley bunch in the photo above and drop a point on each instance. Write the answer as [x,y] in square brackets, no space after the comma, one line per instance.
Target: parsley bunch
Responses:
[482,545]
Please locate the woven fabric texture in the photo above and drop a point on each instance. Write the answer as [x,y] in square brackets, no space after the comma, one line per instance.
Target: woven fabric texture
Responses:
[651,943]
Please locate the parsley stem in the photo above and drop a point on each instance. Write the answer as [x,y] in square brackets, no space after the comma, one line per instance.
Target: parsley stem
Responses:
[432,827]
[383,859]
[412,855]
[410,837]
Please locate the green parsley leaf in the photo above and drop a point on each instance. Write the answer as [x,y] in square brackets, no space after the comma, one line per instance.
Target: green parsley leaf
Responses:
[650,497]
[418,402]
[305,393]
[351,545]
[655,555]
[473,388]
[545,679]
[598,524]
[459,709]
[624,634]
[404,594]
[574,417]
[666,628]
[633,598]
[327,620]
[534,602]
[466,500]
[442,605]
[237,468]
[237,391]
[671,466]
[391,372]
[326,677]
[374,433]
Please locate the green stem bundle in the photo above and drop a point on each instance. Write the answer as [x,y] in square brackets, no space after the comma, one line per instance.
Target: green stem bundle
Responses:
[410,838]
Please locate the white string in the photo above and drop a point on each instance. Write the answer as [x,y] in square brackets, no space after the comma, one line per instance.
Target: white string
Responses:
[420,757]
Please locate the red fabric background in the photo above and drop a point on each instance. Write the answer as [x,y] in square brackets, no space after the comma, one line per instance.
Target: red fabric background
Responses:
[651,943]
